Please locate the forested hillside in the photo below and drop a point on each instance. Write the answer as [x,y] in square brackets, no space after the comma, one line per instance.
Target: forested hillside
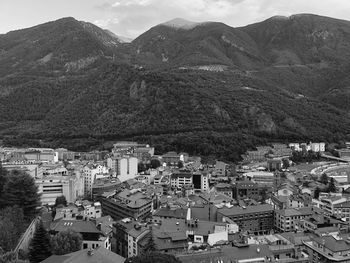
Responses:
[208,90]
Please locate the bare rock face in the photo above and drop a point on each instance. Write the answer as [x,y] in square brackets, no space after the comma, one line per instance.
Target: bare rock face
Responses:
[137,89]
[220,112]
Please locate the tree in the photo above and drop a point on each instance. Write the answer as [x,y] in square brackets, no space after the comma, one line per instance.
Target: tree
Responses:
[150,246]
[155,163]
[20,190]
[153,257]
[317,193]
[331,187]
[263,194]
[180,164]
[66,242]
[12,226]
[141,167]
[324,179]
[10,257]
[285,163]
[39,248]
[61,200]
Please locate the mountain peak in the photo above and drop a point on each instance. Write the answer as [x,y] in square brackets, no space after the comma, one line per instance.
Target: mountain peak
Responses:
[180,23]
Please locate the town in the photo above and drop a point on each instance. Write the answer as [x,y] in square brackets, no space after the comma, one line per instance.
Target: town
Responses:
[282,203]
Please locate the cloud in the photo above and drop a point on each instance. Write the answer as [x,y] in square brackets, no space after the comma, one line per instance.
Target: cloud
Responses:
[133,17]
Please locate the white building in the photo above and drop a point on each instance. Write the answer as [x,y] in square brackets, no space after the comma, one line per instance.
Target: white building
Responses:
[180,179]
[91,173]
[125,168]
[52,187]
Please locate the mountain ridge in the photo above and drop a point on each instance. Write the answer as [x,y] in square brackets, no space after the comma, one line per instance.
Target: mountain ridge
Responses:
[210,89]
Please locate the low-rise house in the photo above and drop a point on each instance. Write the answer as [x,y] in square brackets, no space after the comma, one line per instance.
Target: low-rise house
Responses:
[92,236]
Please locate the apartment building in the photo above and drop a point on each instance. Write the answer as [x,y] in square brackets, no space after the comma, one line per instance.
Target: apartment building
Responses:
[127,204]
[288,219]
[257,219]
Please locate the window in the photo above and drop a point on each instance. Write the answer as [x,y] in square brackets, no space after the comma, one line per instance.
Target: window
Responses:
[93,245]
[85,246]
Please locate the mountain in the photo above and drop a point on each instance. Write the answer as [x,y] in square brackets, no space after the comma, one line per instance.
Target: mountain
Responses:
[205,88]
[60,45]
[186,44]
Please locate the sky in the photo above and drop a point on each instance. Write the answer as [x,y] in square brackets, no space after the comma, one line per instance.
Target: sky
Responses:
[130,18]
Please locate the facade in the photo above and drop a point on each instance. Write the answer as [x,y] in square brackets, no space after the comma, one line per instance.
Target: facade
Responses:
[274,164]
[178,180]
[287,220]
[223,188]
[261,177]
[255,219]
[125,168]
[200,181]
[246,189]
[91,173]
[52,187]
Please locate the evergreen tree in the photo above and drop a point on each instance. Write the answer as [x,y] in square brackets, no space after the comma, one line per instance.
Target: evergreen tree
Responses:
[10,257]
[12,226]
[20,190]
[61,200]
[331,187]
[150,246]
[317,193]
[155,163]
[39,248]
[66,242]
[324,179]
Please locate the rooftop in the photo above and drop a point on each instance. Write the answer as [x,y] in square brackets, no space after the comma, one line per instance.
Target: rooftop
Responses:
[237,210]
[83,256]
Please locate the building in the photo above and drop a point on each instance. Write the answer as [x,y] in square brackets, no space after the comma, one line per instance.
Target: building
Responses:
[127,234]
[127,204]
[200,181]
[328,204]
[41,155]
[246,189]
[179,179]
[274,164]
[91,173]
[92,236]
[342,210]
[261,177]
[99,254]
[224,188]
[34,170]
[173,158]
[51,187]
[255,219]
[343,152]
[220,169]
[288,219]
[103,185]
[125,168]
[328,249]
